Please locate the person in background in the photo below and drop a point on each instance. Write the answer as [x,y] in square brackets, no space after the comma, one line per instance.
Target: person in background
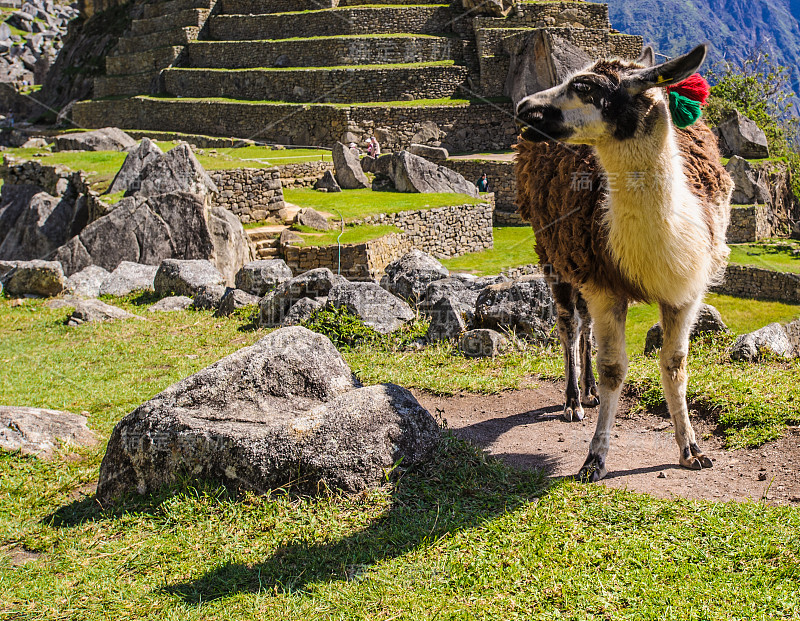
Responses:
[354,149]
[374,148]
[483,183]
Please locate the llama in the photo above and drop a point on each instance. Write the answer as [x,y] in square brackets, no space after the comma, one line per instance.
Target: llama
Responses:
[655,232]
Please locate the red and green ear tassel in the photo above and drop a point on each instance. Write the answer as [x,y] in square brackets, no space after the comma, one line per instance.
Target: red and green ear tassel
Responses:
[685,99]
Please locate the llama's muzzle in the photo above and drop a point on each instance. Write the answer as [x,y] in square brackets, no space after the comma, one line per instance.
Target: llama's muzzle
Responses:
[540,122]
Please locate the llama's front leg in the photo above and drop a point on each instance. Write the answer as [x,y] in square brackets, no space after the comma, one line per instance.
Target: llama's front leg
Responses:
[677,323]
[563,296]
[589,395]
[612,365]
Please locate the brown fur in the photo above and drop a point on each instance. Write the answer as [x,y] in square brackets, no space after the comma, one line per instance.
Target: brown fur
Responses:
[570,237]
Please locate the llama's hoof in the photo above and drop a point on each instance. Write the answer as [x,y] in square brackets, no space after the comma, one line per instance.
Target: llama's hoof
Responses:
[693,459]
[590,398]
[573,411]
[593,470]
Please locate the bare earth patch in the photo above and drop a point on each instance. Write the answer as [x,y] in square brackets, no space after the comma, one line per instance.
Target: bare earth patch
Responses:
[524,429]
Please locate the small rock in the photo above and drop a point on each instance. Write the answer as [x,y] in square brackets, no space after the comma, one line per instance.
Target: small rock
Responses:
[235,299]
[482,343]
[302,311]
[171,304]
[327,183]
[260,277]
[312,218]
[39,278]
[661,475]
[129,277]
[773,338]
[376,307]
[186,276]
[39,432]
[762,476]
[209,297]
[95,311]
[447,320]
[87,282]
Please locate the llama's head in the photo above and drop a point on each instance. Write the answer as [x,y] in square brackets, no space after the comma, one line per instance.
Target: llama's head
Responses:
[610,100]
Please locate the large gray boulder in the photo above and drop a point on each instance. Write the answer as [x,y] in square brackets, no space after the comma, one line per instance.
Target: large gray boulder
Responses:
[523,305]
[128,277]
[33,223]
[314,284]
[208,297]
[772,338]
[185,276]
[302,310]
[37,278]
[409,276]
[88,282]
[259,277]
[348,173]
[741,136]
[327,183]
[106,139]
[231,246]
[448,319]
[128,177]
[285,412]
[312,218]
[176,171]
[411,173]
[95,311]
[540,59]
[708,320]
[234,299]
[463,290]
[434,154]
[749,187]
[376,307]
[40,432]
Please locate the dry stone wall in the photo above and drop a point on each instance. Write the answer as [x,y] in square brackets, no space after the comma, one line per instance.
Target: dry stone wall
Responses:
[363,262]
[760,284]
[250,193]
[303,174]
[748,223]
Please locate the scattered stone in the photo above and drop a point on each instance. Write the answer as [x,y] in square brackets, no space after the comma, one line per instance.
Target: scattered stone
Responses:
[39,278]
[523,305]
[708,320]
[208,297]
[176,171]
[260,277]
[482,343]
[34,143]
[87,282]
[128,177]
[129,277]
[376,307]
[447,319]
[289,237]
[771,338]
[409,276]
[95,311]
[235,299]
[185,276]
[285,412]
[171,304]
[741,136]
[315,283]
[39,432]
[106,139]
[327,183]
[411,173]
[749,188]
[302,310]
[434,154]
[349,174]
[312,218]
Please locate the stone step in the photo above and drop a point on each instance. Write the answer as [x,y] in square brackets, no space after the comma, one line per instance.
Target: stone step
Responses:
[134,44]
[262,237]
[596,42]
[167,7]
[323,51]
[171,21]
[254,7]
[141,62]
[330,85]
[122,85]
[431,19]
[268,253]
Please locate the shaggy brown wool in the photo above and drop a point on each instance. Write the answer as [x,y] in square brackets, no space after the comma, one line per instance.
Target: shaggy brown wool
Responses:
[561,192]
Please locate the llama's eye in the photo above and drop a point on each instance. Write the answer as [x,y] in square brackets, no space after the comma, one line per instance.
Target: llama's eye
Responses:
[581,87]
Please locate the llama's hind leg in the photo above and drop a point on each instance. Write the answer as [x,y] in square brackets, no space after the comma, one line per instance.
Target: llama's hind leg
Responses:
[564,297]
[612,365]
[677,324]
[589,396]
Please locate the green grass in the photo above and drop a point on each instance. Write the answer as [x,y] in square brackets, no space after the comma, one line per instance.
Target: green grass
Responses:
[351,234]
[356,68]
[417,103]
[777,257]
[513,246]
[462,537]
[355,204]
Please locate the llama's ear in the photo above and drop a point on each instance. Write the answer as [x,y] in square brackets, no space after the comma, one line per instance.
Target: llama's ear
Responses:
[670,72]
[647,57]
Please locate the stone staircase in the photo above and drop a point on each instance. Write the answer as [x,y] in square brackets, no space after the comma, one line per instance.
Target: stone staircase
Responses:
[265,245]
[306,72]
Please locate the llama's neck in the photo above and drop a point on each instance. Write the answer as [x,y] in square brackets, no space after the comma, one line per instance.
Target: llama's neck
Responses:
[655,225]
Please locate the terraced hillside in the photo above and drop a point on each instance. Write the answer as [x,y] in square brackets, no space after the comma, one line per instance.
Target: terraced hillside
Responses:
[291,72]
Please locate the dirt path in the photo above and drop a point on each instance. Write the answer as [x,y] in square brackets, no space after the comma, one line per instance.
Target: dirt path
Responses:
[524,429]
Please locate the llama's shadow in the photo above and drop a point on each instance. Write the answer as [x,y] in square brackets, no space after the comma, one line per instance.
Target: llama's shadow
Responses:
[461,488]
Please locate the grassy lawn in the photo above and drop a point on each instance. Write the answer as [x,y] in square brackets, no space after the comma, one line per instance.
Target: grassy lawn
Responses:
[355,204]
[463,537]
[777,257]
[513,246]
[351,234]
